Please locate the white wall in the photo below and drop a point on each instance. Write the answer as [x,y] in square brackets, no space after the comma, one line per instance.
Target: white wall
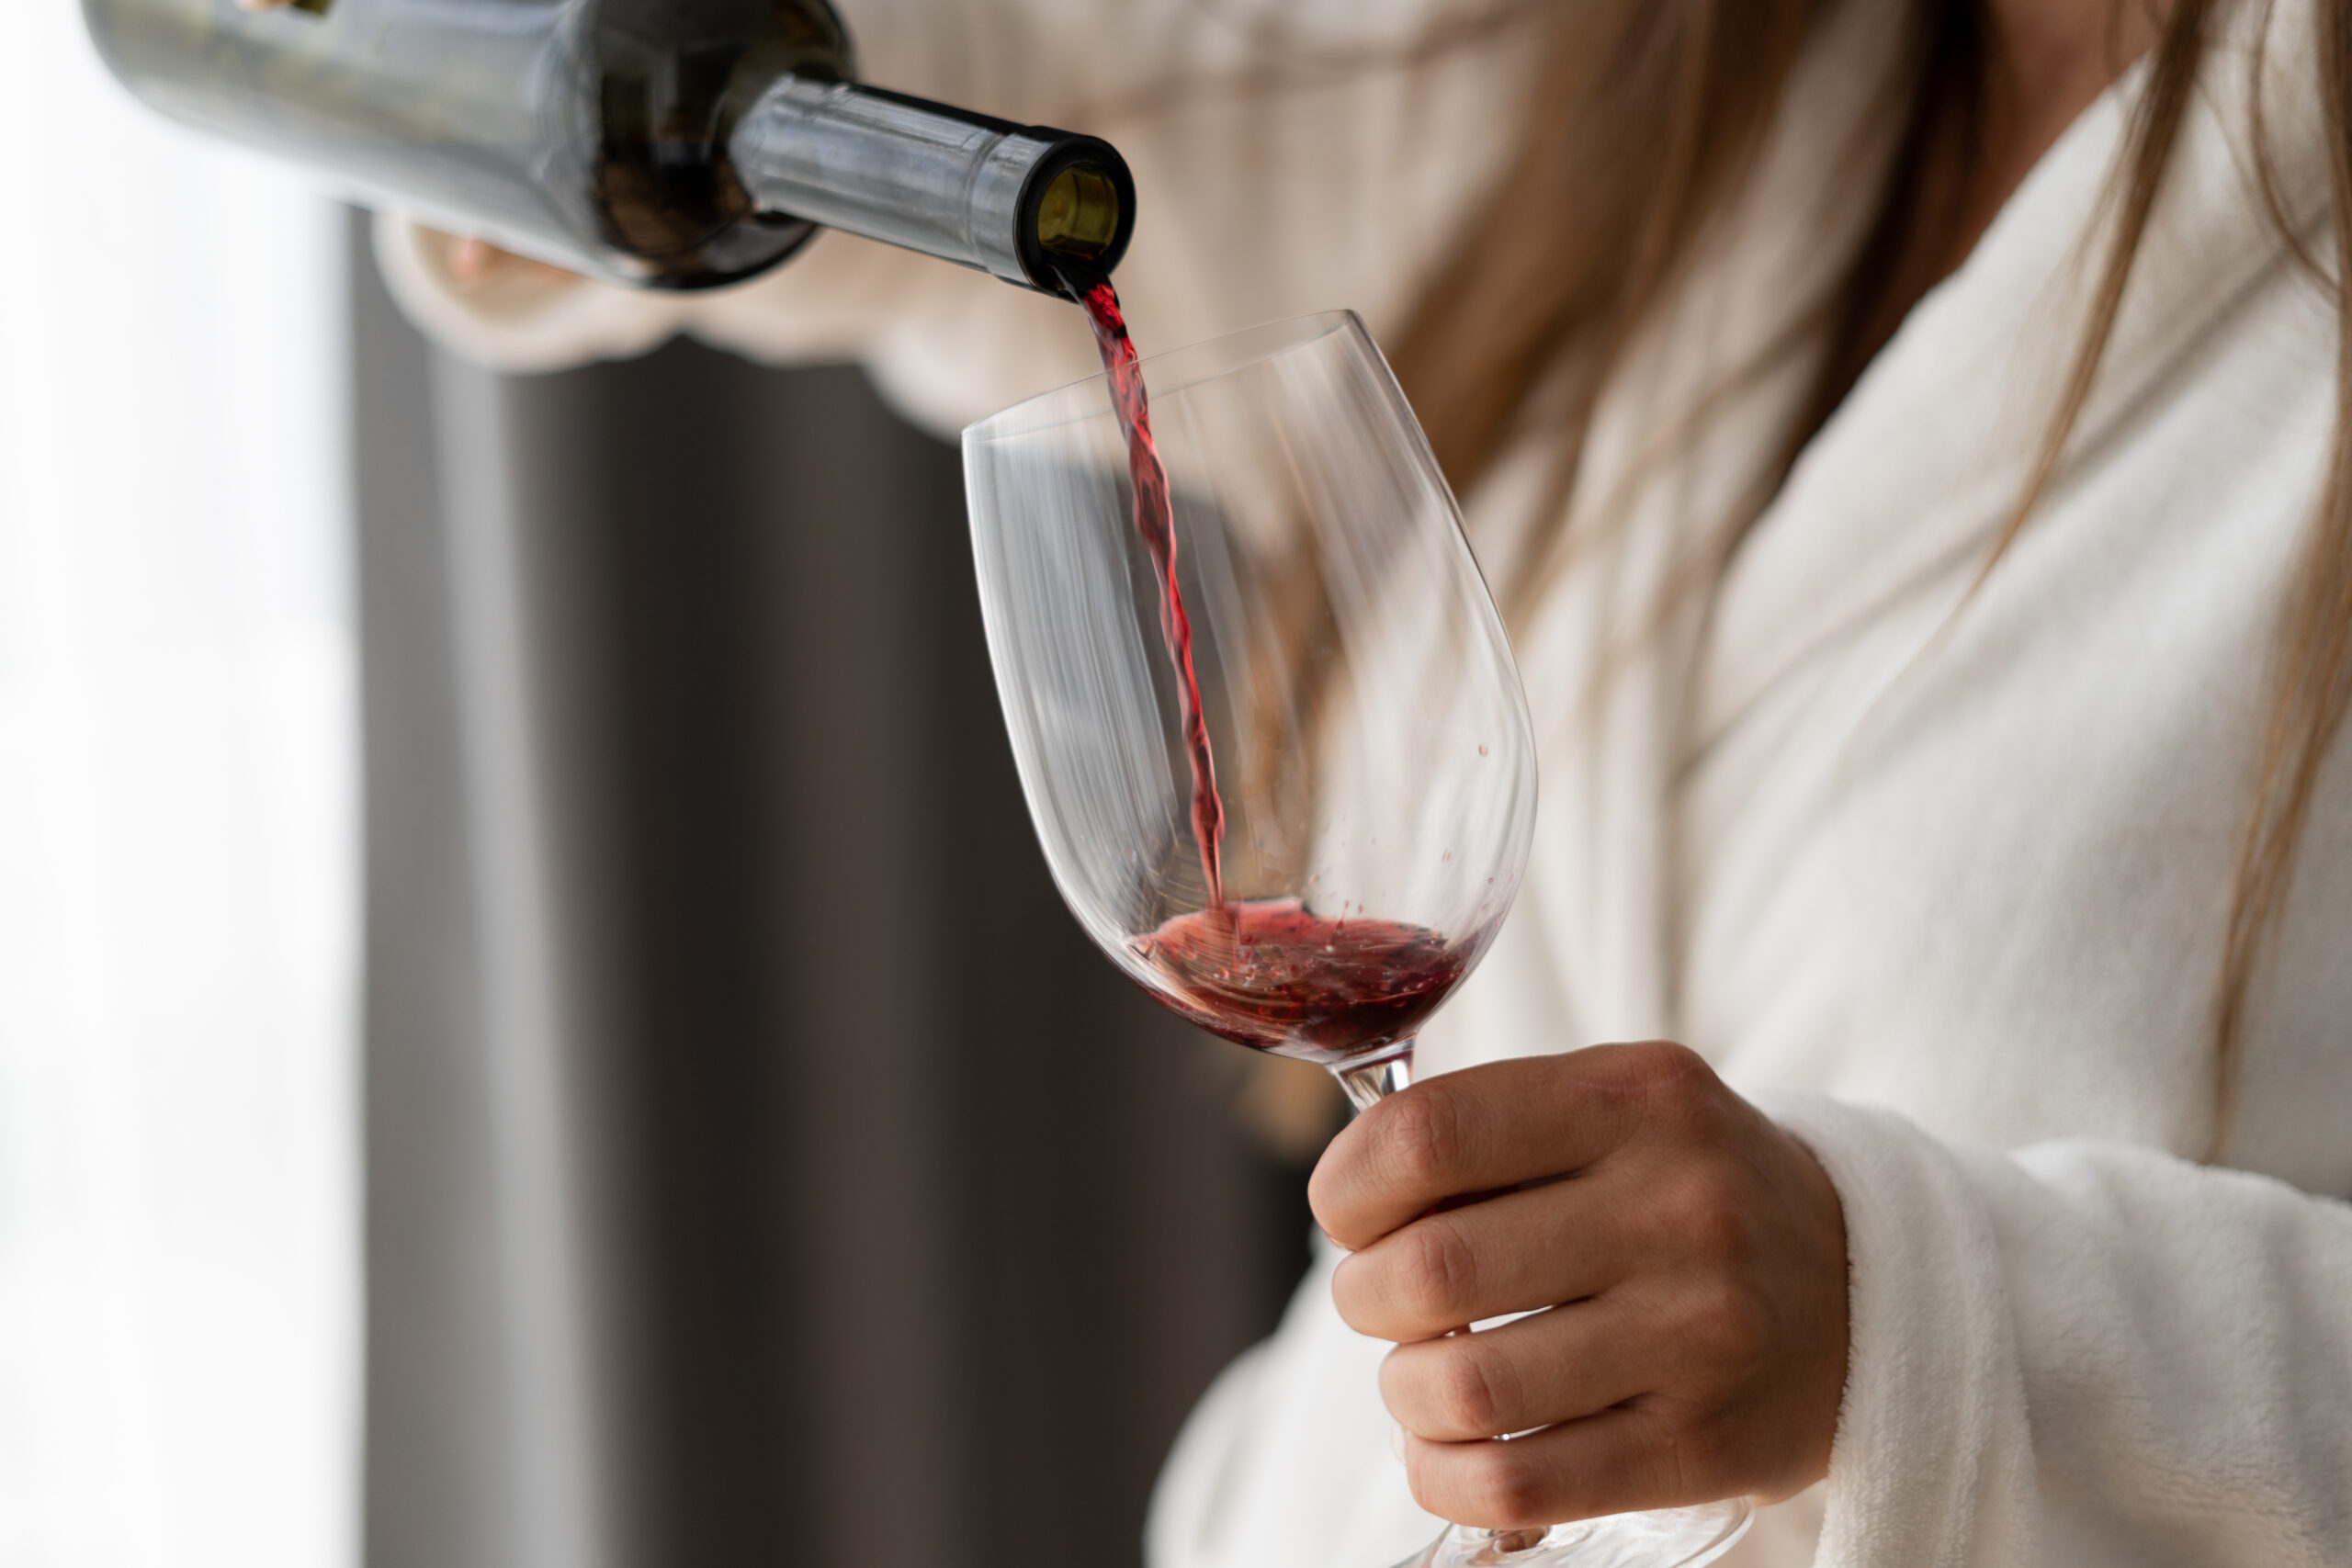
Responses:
[179,1296]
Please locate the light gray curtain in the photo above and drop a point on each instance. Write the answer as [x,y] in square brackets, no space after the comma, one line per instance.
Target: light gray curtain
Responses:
[762,1167]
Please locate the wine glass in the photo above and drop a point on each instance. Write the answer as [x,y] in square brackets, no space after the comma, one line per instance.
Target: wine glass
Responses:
[1321,722]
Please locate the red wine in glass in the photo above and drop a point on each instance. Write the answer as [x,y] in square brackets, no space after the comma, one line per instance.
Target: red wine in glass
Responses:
[1270,973]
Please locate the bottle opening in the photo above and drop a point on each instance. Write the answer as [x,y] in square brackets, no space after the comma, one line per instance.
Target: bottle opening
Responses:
[1078,215]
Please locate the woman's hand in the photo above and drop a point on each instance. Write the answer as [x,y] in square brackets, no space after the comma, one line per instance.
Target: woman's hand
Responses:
[476,266]
[1692,1256]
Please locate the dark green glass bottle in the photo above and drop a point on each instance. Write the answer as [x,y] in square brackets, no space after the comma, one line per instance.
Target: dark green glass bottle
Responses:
[663,143]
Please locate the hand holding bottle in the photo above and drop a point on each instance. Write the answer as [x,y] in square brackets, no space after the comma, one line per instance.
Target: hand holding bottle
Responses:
[1691,1255]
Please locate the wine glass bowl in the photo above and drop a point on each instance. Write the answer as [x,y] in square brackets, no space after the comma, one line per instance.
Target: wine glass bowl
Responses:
[1373,755]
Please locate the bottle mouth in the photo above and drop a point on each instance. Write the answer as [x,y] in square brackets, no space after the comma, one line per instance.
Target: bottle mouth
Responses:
[1079,209]
[1078,215]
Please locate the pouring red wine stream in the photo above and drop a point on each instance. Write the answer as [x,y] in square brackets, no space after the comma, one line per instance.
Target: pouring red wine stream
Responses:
[1156,521]
[1266,973]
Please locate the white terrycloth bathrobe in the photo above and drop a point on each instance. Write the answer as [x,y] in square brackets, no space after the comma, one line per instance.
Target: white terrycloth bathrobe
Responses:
[1940,879]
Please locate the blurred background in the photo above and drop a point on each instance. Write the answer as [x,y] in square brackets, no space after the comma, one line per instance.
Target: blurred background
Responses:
[722,1022]
[534,1029]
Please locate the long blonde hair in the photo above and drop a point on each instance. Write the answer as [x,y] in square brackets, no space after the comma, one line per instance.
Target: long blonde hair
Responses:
[1650,111]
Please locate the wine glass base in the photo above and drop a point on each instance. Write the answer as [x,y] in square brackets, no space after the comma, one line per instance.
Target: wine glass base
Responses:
[1666,1538]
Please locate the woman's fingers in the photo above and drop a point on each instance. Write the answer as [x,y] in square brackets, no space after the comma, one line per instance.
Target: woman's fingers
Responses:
[1561,1242]
[1700,1249]
[475,265]
[1639,1455]
[1481,1130]
[1556,1366]
[471,266]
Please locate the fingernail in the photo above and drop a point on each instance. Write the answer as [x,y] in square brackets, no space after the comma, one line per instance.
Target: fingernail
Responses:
[1397,1441]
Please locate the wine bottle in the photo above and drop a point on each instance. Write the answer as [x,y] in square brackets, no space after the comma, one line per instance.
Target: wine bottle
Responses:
[660,143]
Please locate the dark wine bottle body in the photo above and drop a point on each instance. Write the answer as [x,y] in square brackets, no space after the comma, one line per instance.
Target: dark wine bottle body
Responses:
[594,134]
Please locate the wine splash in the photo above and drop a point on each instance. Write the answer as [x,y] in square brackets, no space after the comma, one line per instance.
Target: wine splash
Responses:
[1156,521]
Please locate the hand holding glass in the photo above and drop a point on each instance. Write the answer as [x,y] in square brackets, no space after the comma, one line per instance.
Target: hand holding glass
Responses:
[1372,748]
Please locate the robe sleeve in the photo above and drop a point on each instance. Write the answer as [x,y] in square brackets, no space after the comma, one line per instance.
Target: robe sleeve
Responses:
[2082,1352]
[1289,156]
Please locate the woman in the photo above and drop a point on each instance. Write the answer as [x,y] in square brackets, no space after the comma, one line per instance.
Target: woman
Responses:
[1908,436]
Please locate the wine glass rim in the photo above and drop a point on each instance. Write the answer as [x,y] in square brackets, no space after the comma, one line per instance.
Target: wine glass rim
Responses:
[1042,412]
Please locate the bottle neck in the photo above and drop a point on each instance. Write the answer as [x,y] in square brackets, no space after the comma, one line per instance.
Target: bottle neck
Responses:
[1005,199]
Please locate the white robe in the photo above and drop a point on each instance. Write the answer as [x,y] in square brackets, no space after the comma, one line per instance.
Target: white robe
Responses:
[1938,878]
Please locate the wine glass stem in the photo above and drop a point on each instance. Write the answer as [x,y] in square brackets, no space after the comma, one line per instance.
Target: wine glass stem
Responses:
[1369,1082]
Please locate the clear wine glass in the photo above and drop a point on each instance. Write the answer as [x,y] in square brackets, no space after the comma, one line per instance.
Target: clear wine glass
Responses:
[1373,757]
